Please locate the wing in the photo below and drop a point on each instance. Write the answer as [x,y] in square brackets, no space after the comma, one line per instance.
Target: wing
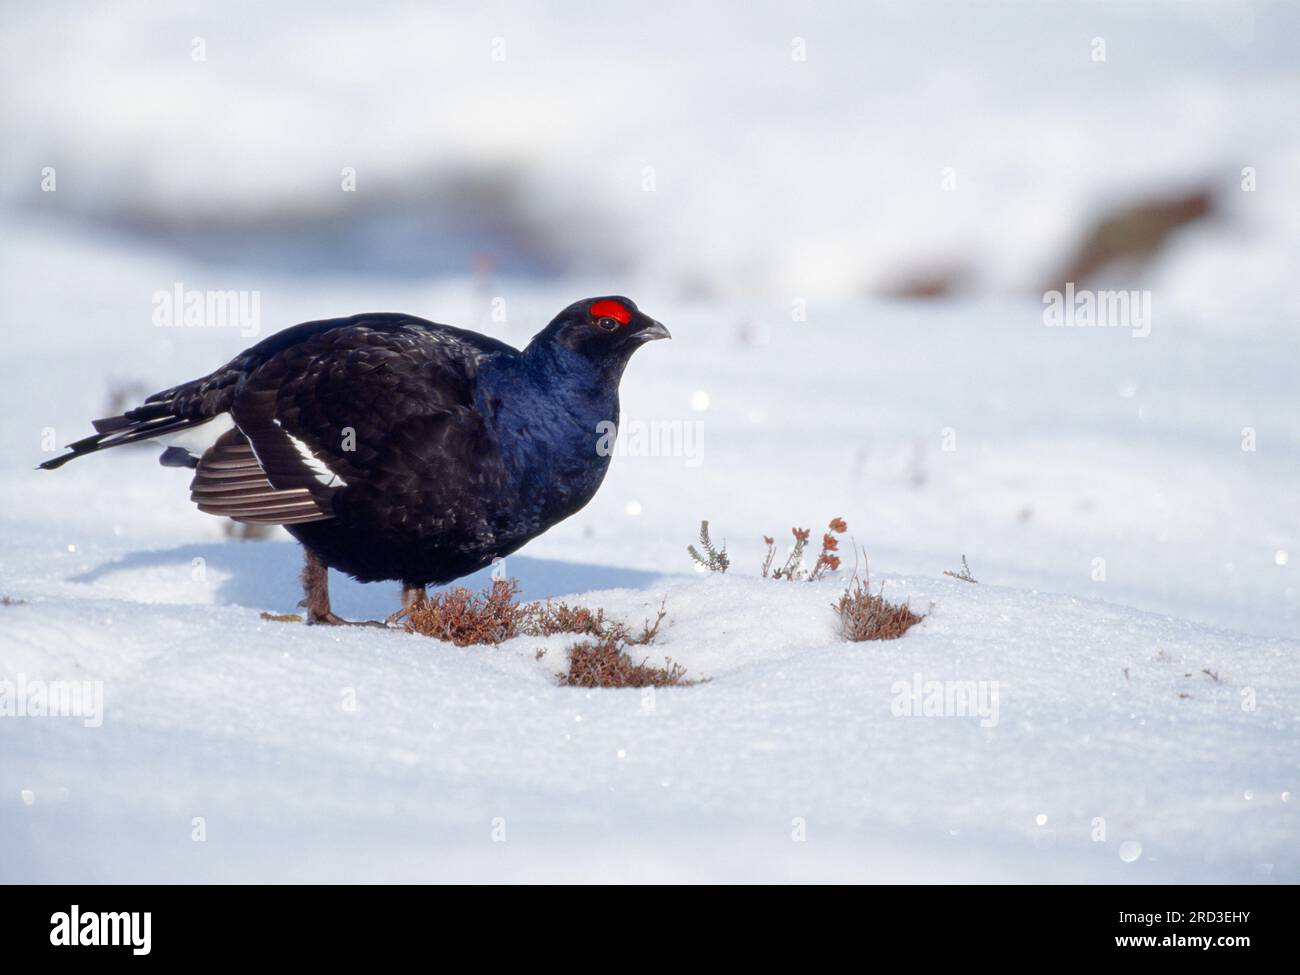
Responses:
[334,409]
[231,481]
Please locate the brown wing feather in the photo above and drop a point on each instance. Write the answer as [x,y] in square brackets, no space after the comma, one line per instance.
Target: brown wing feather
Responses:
[230,481]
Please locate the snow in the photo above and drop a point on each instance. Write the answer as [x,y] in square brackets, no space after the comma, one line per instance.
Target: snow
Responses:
[211,712]
[1136,618]
[361,756]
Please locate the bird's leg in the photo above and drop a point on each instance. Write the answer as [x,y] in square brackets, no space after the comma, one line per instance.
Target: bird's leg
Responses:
[316,590]
[316,594]
[413,597]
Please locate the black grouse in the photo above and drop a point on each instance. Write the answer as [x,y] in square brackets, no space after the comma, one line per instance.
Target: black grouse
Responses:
[397,448]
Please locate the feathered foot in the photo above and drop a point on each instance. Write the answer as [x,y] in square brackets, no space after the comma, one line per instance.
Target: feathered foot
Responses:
[316,595]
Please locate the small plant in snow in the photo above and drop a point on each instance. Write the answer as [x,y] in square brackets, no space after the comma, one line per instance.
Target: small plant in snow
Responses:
[605,663]
[865,615]
[546,619]
[793,569]
[827,560]
[964,575]
[714,559]
[464,618]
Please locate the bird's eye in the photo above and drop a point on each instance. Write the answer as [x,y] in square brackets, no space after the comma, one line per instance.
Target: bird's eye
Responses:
[607,323]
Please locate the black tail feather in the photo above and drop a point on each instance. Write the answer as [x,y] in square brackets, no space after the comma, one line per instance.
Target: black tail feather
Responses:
[135,417]
[145,423]
[110,423]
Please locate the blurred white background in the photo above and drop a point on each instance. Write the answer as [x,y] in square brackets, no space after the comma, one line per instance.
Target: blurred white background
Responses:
[794,149]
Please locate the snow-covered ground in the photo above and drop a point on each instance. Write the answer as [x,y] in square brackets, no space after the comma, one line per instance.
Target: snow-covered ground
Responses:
[326,754]
[1130,505]
[470,764]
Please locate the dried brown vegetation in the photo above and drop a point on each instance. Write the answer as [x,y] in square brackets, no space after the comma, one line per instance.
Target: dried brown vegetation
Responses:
[606,663]
[546,619]
[793,569]
[865,615]
[465,618]
[281,617]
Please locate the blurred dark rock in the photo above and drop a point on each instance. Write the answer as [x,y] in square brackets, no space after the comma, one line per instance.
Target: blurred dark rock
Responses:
[935,282]
[1131,235]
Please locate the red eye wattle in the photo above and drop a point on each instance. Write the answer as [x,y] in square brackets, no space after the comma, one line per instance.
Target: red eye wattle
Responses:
[608,308]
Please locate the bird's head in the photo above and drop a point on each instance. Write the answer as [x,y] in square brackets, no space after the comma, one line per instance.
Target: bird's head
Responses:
[605,330]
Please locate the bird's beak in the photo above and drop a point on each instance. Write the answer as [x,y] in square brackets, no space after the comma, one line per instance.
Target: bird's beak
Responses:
[655,330]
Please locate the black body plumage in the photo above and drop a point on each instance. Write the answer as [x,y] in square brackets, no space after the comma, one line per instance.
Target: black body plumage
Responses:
[397,448]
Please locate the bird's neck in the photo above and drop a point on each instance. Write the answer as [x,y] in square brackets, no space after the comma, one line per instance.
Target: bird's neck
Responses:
[561,370]
[554,414]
